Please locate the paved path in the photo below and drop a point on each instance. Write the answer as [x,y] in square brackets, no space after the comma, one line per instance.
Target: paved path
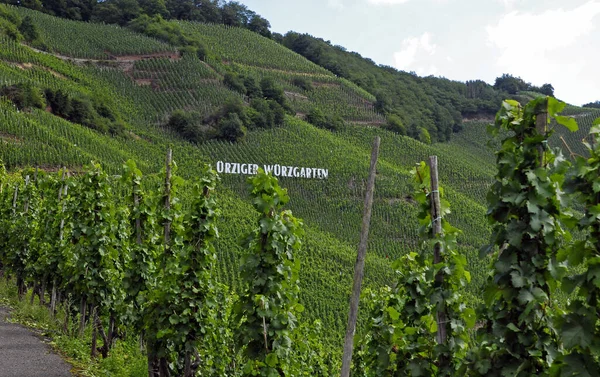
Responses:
[23,354]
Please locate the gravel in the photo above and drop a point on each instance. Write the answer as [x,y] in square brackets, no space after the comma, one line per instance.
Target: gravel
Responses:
[23,354]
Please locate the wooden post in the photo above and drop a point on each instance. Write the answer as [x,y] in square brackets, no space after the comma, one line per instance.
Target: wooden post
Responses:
[541,125]
[82,312]
[138,221]
[53,296]
[21,279]
[360,264]
[62,220]
[168,197]
[94,321]
[26,207]
[436,224]
[15,199]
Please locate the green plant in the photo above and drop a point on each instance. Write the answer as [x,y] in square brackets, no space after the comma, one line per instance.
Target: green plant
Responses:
[519,337]
[269,303]
[577,325]
[93,263]
[427,294]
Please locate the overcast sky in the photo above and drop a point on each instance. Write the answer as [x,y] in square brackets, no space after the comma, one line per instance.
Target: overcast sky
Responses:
[542,41]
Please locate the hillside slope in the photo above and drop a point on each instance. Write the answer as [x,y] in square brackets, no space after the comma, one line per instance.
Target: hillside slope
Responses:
[142,81]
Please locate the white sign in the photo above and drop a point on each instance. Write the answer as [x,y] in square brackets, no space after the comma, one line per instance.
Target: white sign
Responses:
[277,170]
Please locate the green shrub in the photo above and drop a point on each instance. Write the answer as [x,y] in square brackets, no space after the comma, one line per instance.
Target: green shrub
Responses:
[231,128]
[234,82]
[394,124]
[24,96]
[424,136]
[29,30]
[303,83]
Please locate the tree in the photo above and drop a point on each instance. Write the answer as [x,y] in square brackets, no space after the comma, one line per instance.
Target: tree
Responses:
[303,83]
[80,9]
[231,128]
[59,101]
[187,124]
[260,25]
[253,89]
[82,112]
[383,103]
[264,113]
[234,82]
[24,96]
[394,124]
[207,11]
[510,84]
[31,4]
[154,7]
[424,136]
[56,7]
[235,14]
[116,11]
[316,117]
[181,10]
[271,90]
[28,29]
[547,89]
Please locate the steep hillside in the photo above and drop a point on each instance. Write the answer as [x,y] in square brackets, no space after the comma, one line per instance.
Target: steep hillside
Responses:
[306,84]
[435,104]
[142,81]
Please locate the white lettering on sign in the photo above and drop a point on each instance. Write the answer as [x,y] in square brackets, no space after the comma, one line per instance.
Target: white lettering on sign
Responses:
[276,170]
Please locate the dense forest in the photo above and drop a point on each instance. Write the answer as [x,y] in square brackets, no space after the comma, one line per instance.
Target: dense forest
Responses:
[428,109]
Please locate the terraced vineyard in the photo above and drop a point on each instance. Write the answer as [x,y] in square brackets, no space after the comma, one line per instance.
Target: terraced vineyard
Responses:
[146,90]
[92,41]
[244,47]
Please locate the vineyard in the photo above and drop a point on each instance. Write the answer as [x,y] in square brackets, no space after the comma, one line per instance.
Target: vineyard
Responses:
[91,41]
[244,47]
[141,82]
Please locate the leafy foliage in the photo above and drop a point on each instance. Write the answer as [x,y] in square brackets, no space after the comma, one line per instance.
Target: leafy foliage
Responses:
[400,339]
[578,326]
[513,85]
[418,102]
[269,303]
[405,317]
[524,208]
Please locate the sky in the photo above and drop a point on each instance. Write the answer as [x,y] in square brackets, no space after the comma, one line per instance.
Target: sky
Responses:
[541,41]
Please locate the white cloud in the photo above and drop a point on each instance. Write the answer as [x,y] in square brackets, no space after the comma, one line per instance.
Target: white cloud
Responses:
[414,51]
[387,2]
[547,47]
[336,4]
[508,3]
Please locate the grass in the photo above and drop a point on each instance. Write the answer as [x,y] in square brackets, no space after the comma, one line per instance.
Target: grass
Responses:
[124,360]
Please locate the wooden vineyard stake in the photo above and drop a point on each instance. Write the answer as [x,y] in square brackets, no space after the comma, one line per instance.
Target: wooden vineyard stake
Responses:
[168,198]
[541,124]
[436,225]
[359,267]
